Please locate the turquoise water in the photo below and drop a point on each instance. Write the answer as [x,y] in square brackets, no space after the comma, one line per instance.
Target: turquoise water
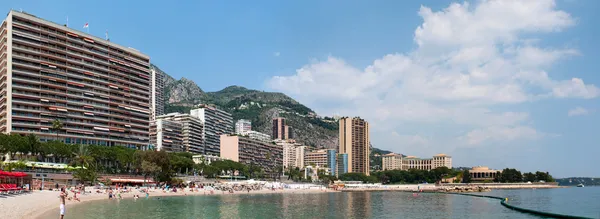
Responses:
[577,201]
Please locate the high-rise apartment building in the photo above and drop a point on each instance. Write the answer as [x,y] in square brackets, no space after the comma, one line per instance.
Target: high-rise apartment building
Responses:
[293,154]
[166,135]
[279,128]
[289,132]
[332,161]
[249,151]
[354,141]
[157,103]
[281,131]
[242,126]
[99,90]
[216,123]
[191,131]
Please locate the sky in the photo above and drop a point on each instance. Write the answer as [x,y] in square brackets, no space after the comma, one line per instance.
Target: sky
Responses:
[491,83]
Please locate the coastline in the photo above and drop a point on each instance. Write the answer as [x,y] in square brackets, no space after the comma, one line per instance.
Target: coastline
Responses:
[40,203]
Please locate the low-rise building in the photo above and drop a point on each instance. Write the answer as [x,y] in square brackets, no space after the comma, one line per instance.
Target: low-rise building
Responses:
[258,136]
[166,135]
[322,158]
[316,158]
[207,159]
[267,155]
[441,160]
[412,162]
[481,173]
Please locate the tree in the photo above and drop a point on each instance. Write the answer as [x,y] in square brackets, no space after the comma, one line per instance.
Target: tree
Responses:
[85,175]
[150,169]
[33,144]
[511,175]
[83,157]
[57,125]
[466,176]
[529,177]
[438,173]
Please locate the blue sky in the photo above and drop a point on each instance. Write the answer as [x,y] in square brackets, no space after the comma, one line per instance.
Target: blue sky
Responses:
[493,83]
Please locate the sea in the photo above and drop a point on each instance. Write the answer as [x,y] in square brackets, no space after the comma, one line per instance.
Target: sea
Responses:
[583,202]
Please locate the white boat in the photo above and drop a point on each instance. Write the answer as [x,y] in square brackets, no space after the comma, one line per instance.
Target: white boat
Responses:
[580,185]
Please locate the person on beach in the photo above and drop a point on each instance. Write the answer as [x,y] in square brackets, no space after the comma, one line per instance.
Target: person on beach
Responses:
[63,195]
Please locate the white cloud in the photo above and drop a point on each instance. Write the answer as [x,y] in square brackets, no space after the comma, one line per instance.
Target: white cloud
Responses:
[470,60]
[276,54]
[496,133]
[578,111]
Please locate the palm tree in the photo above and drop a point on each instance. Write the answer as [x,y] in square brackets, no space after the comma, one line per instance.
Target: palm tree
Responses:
[83,156]
[57,125]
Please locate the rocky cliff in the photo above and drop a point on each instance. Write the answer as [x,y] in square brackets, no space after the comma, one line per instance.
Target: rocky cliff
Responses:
[258,106]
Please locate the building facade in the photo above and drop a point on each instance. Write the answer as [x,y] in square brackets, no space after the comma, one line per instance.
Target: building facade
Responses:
[191,131]
[342,164]
[293,154]
[249,151]
[481,173]
[412,162]
[332,161]
[258,136]
[242,126]
[354,141]
[100,91]
[278,128]
[317,158]
[216,123]
[391,161]
[157,103]
[439,160]
[166,135]
[289,132]
[207,159]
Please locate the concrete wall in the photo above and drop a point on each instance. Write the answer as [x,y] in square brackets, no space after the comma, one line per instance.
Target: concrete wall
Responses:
[230,148]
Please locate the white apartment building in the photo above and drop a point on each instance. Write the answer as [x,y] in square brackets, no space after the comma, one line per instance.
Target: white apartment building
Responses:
[216,123]
[258,136]
[242,126]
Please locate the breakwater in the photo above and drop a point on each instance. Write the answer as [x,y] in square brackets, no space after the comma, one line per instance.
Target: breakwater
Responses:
[504,202]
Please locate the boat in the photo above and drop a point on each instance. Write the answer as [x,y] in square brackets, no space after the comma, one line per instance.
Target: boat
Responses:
[580,185]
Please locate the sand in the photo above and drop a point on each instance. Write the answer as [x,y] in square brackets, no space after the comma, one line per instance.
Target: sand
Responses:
[39,203]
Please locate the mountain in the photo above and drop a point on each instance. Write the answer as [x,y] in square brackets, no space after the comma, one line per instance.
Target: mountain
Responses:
[257,106]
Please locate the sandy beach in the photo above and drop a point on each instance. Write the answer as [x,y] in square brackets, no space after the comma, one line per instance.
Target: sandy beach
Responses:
[38,203]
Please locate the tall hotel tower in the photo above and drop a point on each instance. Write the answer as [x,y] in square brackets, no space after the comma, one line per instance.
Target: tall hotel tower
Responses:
[354,141]
[98,90]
